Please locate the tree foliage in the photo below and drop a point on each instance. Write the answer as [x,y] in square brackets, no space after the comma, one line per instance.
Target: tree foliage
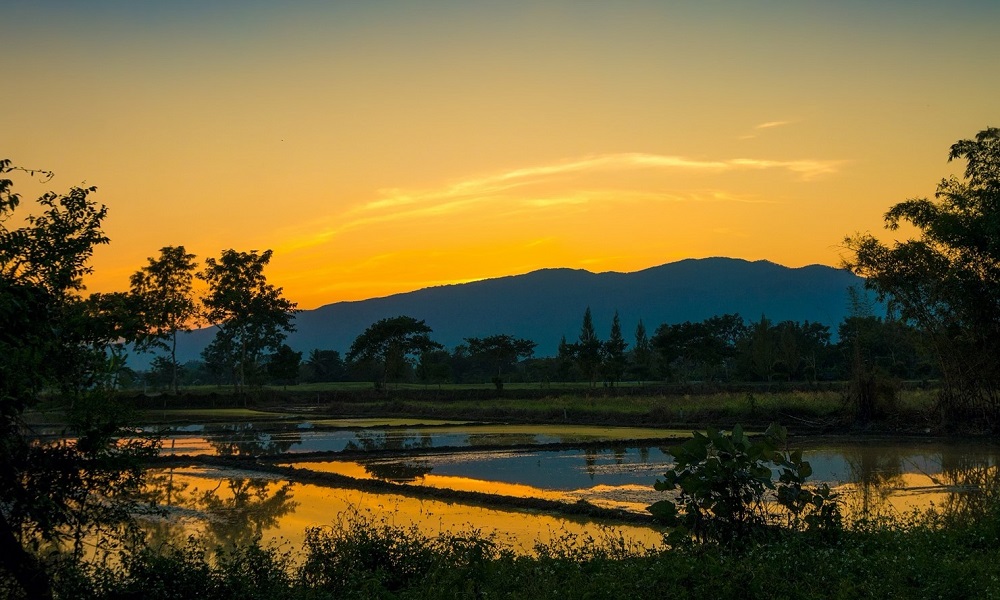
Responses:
[391,344]
[283,365]
[947,278]
[702,350]
[165,303]
[251,315]
[586,351]
[323,365]
[502,351]
[641,363]
[52,340]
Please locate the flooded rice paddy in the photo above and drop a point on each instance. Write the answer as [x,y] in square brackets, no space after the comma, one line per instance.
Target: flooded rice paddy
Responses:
[608,468]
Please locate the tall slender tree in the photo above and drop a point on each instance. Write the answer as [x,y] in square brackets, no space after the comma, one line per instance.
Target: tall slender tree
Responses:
[613,353]
[642,354]
[587,350]
[165,302]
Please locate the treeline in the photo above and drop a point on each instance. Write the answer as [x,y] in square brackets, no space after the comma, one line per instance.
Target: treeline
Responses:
[721,349]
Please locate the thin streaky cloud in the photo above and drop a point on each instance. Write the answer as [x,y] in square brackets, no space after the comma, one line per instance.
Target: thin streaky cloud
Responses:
[502,182]
[400,204]
[770,124]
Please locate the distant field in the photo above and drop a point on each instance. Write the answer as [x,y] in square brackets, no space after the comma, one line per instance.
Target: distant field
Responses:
[808,409]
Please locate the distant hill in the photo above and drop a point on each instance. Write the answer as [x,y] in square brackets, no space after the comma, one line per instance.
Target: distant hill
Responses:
[547,304]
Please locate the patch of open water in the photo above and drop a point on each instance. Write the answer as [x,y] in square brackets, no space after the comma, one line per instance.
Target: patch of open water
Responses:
[322,436]
[874,476]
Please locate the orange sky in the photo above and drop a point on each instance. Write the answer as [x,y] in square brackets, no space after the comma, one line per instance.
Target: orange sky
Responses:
[381,147]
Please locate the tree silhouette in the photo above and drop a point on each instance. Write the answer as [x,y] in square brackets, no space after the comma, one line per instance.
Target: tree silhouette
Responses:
[54,341]
[613,353]
[503,351]
[391,344]
[250,315]
[165,301]
[587,350]
[947,280]
[642,354]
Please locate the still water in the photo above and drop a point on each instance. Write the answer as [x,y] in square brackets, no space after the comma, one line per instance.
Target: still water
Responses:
[258,439]
[231,508]
[891,477]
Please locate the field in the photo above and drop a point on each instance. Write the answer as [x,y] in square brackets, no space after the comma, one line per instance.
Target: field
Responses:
[828,409]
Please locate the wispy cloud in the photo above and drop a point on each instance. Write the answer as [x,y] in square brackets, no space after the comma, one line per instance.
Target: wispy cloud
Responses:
[561,184]
[766,125]
[491,185]
[770,124]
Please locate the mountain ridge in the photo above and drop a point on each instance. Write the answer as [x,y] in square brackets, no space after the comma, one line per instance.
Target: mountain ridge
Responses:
[546,304]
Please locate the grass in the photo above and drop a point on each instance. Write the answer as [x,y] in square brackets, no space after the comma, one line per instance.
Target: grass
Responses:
[797,408]
[824,409]
[918,557]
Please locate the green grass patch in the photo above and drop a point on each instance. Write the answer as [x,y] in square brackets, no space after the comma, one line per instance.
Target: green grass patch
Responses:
[924,557]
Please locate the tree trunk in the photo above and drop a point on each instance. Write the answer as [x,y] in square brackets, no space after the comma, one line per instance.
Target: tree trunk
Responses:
[173,362]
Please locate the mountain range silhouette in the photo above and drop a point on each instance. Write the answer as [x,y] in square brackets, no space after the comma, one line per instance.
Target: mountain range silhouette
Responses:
[546,305]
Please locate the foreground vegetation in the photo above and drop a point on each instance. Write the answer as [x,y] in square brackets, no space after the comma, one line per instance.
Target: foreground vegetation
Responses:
[930,556]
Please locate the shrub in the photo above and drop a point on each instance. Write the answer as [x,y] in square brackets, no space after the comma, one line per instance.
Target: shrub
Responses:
[727,492]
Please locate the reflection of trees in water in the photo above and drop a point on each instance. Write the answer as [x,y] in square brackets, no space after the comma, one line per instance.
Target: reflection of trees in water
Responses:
[235,512]
[371,441]
[590,460]
[246,509]
[592,454]
[875,471]
[400,471]
[644,454]
[971,480]
[974,481]
[163,490]
[245,439]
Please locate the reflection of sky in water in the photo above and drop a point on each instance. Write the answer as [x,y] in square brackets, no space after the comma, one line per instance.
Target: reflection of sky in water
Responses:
[620,478]
[558,470]
[885,477]
[305,437]
[903,477]
[552,470]
[898,475]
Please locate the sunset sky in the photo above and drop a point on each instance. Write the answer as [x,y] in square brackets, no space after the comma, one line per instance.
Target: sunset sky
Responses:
[385,146]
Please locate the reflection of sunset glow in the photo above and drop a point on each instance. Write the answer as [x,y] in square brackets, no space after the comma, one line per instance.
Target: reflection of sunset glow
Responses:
[630,497]
[322,506]
[908,492]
